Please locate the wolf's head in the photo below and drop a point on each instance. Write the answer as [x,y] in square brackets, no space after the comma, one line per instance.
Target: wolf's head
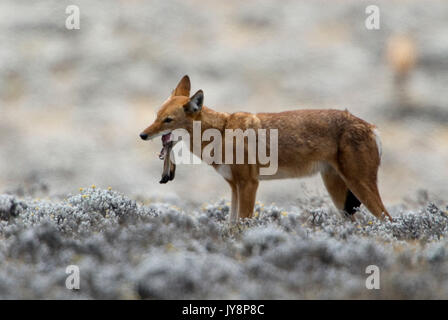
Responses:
[177,112]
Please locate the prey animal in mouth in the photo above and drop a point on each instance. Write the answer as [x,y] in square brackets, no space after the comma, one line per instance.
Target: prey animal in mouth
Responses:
[169,167]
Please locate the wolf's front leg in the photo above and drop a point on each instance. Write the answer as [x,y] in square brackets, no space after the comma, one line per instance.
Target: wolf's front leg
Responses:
[233,216]
[247,191]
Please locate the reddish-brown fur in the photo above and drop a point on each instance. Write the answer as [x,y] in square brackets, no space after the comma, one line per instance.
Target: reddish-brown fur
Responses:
[335,143]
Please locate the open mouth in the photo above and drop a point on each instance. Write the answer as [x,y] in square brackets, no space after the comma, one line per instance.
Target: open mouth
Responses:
[167,144]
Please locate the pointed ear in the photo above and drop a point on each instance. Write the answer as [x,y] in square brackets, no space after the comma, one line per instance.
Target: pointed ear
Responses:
[195,104]
[183,87]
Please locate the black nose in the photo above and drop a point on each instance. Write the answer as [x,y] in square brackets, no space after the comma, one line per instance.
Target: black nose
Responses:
[144,136]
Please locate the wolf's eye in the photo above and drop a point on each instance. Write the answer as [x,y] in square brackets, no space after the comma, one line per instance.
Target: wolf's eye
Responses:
[167,120]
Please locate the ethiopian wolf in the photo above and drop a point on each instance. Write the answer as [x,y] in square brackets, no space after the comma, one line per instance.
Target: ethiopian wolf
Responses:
[344,149]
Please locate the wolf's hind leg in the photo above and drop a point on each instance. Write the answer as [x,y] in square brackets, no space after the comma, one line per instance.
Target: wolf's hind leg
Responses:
[342,197]
[358,164]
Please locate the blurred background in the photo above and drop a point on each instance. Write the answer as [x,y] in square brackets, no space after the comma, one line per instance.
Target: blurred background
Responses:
[73,102]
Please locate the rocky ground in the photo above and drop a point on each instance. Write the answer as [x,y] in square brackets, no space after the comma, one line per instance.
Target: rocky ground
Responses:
[130,250]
